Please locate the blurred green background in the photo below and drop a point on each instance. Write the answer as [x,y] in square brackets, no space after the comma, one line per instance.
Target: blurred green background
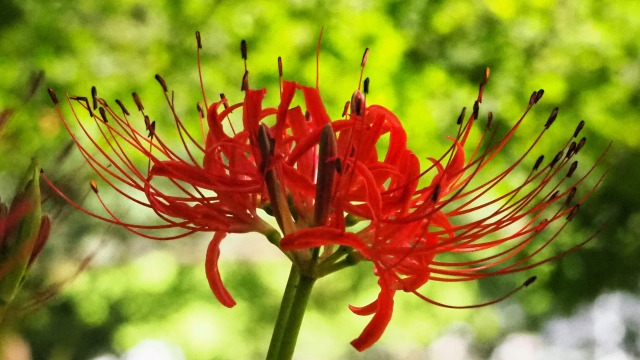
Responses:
[426,60]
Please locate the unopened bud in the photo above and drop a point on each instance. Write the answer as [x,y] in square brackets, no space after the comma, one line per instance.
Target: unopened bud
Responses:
[358,103]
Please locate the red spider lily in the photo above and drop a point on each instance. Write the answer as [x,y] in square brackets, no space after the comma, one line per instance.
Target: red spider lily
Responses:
[411,226]
[214,185]
[318,175]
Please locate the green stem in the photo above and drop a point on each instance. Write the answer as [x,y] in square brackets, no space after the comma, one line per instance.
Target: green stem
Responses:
[283,314]
[296,314]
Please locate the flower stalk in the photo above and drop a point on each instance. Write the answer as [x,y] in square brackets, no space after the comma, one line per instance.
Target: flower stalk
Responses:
[292,310]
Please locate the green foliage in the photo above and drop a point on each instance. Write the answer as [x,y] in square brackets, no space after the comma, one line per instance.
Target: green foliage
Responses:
[425,63]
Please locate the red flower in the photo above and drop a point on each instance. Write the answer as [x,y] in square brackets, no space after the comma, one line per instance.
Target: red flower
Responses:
[319,176]
[411,226]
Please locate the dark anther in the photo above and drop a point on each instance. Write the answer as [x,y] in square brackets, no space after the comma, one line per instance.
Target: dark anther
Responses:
[476,109]
[365,87]
[280,66]
[556,159]
[245,81]
[436,193]
[489,120]
[124,109]
[243,49]
[538,162]
[103,114]
[581,144]
[307,115]
[94,186]
[338,166]
[570,196]
[224,100]
[542,225]
[162,82]
[572,149]
[200,110]
[54,98]
[572,168]
[554,195]
[94,96]
[152,132]
[346,108]
[487,71]
[461,117]
[539,95]
[150,126]
[357,103]
[573,212]
[532,99]
[198,40]
[552,118]
[578,128]
[365,56]
[530,281]
[136,98]
[85,101]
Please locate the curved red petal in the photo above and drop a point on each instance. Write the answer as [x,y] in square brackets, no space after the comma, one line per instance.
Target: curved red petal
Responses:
[315,106]
[213,274]
[323,235]
[378,324]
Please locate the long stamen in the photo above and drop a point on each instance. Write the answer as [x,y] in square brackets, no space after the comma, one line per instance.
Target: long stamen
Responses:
[528,282]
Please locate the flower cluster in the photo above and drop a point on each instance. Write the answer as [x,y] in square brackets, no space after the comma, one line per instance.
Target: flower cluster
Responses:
[338,197]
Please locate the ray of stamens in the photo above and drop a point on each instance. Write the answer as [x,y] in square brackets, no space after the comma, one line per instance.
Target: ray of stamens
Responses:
[182,130]
[121,154]
[508,205]
[514,267]
[493,150]
[540,187]
[91,161]
[97,166]
[494,181]
[99,217]
[133,137]
[478,224]
[132,227]
[159,197]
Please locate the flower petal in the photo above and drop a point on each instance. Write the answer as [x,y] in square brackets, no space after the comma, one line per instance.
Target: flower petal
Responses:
[323,235]
[213,274]
[376,327]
